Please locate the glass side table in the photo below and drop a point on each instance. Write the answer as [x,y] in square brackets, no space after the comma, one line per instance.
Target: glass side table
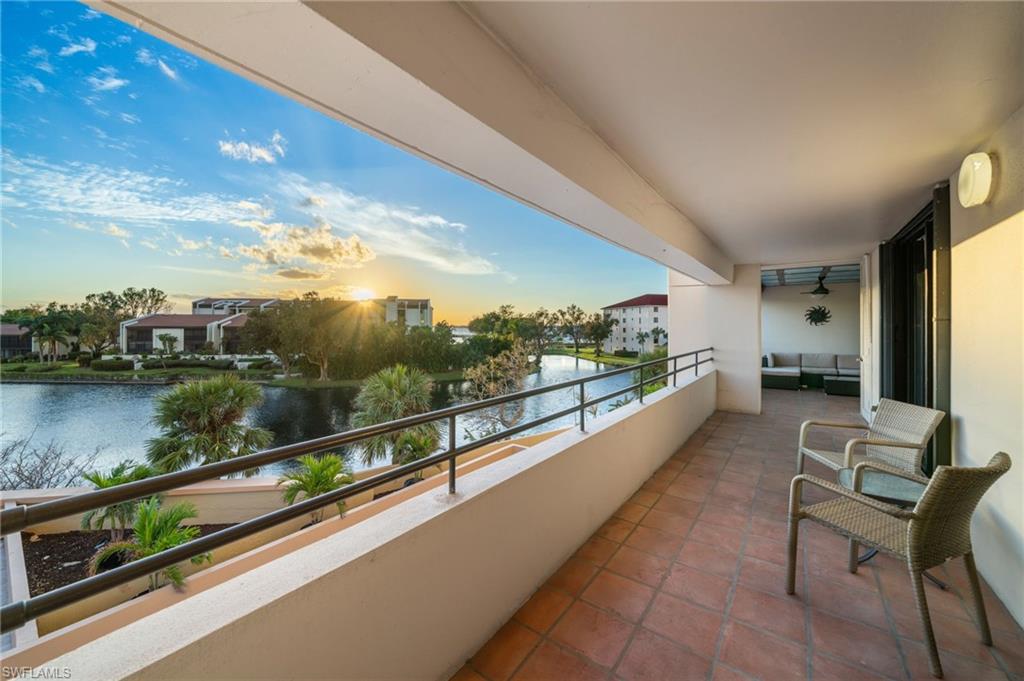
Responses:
[890,489]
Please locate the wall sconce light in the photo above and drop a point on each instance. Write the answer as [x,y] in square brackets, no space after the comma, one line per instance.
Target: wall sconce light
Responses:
[975,183]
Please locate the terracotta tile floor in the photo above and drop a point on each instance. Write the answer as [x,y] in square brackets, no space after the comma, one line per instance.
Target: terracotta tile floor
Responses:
[685,581]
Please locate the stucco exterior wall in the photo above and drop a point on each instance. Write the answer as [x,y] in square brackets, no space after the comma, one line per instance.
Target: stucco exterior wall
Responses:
[987,366]
[784,328]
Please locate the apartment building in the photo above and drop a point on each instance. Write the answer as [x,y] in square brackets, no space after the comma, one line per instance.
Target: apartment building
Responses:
[647,313]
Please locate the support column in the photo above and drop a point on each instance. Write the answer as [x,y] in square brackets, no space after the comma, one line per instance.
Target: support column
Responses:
[727,317]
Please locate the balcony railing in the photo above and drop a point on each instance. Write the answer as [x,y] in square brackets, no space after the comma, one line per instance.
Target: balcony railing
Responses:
[18,518]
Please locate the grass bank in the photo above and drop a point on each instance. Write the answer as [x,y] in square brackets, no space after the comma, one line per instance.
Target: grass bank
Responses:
[313,384]
[588,353]
[70,372]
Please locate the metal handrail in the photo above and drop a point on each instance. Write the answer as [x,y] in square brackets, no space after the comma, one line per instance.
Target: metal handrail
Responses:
[17,518]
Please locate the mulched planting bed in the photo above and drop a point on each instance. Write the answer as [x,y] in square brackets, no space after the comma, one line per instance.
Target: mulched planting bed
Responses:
[53,560]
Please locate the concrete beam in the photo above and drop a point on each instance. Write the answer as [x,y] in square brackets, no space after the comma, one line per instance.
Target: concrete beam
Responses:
[427,78]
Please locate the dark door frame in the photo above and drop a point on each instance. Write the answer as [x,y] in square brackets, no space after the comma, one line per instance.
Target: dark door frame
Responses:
[916,363]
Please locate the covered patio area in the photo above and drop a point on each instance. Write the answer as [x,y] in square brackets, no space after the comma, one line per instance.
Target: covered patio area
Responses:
[686,581]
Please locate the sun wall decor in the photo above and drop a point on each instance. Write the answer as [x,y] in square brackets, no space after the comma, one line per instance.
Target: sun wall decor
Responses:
[818,315]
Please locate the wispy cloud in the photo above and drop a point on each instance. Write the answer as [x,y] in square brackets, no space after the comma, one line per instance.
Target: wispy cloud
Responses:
[90,14]
[317,244]
[392,230]
[105,80]
[88,190]
[255,152]
[144,56]
[30,83]
[40,59]
[193,245]
[87,45]
[118,233]
[167,70]
[296,273]
[130,118]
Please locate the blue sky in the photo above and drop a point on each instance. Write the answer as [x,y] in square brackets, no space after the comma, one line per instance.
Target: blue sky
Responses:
[127,162]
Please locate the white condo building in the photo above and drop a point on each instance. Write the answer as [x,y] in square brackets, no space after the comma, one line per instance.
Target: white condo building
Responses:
[643,313]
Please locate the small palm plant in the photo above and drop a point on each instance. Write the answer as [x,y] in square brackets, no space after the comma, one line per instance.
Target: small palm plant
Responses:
[155,529]
[316,475]
[118,516]
[415,445]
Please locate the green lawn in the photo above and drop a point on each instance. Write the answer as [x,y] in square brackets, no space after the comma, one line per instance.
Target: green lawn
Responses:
[73,371]
[588,353]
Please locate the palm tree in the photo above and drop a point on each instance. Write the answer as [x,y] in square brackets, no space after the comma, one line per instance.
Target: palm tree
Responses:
[154,530]
[641,337]
[202,423]
[657,332]
[118,516]
[389,394]
[316,475]
[413,446]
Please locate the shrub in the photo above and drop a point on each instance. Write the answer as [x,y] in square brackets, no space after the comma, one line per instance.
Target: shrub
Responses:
[219,364]
[112,350]
[43,368]
[84,359]
[18,368]
[112,365]
[208,348]
[626,353]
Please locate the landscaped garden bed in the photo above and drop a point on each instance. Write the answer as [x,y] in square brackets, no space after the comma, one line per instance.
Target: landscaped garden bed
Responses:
[55,560]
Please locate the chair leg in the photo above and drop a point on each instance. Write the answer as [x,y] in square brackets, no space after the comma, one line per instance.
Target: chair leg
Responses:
[917,579]
[854,559]
[799,462]
[979,603]
[794,525]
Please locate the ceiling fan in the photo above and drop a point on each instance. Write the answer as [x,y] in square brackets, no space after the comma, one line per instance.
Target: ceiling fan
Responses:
[820,291]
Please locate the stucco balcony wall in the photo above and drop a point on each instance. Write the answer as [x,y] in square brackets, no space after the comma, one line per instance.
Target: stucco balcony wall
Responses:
[413,591]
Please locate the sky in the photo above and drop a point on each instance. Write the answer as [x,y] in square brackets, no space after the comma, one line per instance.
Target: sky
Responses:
[129,162]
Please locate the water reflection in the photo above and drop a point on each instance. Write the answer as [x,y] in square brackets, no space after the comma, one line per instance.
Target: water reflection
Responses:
[118,418]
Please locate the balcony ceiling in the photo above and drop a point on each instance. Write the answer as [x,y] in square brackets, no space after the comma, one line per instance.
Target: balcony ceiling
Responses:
[786,132]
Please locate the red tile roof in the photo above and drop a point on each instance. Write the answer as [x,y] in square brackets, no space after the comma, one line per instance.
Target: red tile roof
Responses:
[175,321]
[236,321]
[646,299]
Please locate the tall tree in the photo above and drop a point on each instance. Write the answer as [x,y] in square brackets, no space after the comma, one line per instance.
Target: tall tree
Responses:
[641,338]
[137,302]
[538,330]
[496,376]
[202,423]
[572,320]
[389,394]
[499,322]
[329,326]
[279,329]
[658,332]
[599,329]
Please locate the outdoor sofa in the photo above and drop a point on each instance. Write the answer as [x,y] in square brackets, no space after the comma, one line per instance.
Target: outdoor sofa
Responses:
[791,370]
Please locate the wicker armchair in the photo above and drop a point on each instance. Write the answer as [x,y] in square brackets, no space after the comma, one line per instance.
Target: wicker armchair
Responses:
[897,435]
[937,529]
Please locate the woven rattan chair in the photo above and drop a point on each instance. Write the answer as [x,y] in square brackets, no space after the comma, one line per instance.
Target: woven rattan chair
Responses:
[936,529]
[897,435]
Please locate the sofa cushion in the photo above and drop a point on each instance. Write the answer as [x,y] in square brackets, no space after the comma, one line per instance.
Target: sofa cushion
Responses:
[780,371]
[850,372]
[812,360]
[784,359]
[847,362]
[821,371]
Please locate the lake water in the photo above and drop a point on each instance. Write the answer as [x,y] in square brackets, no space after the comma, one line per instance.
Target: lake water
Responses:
[117,418]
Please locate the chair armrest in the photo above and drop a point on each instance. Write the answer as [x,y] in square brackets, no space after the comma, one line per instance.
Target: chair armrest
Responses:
[797,483]
[806,426]
[858,473]
[858,441]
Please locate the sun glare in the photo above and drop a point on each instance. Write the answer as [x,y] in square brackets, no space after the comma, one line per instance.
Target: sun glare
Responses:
[363,294]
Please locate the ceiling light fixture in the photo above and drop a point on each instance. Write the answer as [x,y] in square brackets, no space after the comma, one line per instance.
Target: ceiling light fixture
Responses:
[974,185]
